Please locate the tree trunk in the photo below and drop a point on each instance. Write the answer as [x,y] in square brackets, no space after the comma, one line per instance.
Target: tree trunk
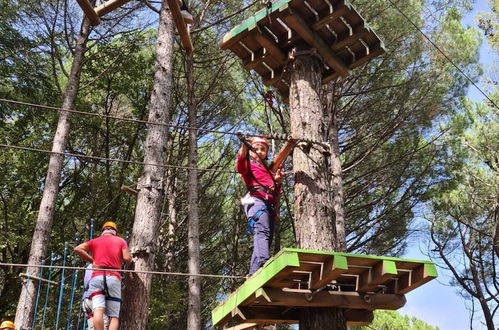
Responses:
[336,169]
[43,228]
[194,303]
[313,214]
[148,210]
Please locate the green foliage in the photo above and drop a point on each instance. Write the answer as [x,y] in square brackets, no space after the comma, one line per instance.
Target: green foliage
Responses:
[392,320]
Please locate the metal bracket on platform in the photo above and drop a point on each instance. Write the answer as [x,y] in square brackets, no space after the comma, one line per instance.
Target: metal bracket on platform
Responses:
[312,10]
[347,25]
[331,9]
[290,32]
[365,45]
[351,53]
[248,50]
[310,296]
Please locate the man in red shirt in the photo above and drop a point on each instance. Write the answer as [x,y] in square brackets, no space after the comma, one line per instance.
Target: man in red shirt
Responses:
[105,252]
[264,184]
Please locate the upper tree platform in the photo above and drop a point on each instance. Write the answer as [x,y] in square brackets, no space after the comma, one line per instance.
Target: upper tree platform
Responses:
[296,278]
[332,27]
[94,16]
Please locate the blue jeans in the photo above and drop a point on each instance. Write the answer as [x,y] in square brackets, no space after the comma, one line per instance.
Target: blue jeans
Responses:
[263,231]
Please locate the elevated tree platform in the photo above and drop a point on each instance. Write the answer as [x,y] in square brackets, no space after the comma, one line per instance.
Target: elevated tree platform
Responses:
[296,278]
[332,28]
[94,15]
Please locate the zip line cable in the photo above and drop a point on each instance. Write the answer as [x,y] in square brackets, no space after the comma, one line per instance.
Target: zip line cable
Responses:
[280,137]
[114,159]
[5,264]
[443,53]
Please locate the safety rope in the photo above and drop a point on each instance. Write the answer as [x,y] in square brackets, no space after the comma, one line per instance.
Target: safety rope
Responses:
[5,264]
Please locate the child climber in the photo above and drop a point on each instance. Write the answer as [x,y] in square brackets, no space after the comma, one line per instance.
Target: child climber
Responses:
[264,184]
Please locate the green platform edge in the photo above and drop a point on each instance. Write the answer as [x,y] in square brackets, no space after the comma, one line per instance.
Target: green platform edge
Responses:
[289,257]
[252,21]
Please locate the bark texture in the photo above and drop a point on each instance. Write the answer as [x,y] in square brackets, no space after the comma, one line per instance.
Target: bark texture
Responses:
[336,183]
[43,227]
[194,303]
[148,210]
[312,210]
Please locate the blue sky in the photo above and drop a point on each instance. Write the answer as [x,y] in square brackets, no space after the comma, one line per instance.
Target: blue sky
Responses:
[436,302]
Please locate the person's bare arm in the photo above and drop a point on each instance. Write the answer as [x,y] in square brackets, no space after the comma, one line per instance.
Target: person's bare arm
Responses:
[283,153]
[127,256]
[82,250]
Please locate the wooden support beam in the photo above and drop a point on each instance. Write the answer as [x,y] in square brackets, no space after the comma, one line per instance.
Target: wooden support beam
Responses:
[243,326]
[278,297]
[378,50]
[258,58]
[339,11]
[419,276]
[89,11]
[329,76]
[129,190]
[109,6]
[271,46]
[331,270]
[25,277]
[182,28]
[381,273]
[264,315]
[358,32]
[358,317]
[269,81]
[294,21]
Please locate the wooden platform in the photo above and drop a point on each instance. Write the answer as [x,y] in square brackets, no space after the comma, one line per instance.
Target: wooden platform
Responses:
[296,278]
[332,27]
[95,14]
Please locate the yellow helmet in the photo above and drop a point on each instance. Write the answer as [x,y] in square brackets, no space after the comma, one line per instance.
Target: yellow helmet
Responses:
[110,224]
[7,325]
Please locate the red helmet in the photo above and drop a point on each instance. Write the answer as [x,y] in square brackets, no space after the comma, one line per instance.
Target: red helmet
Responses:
[261,140]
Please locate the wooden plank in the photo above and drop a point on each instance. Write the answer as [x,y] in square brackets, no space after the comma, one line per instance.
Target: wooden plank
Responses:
[264,315]
[381,273]
[331,270]
[358,317]
[239,31]
[294,21]
[411,280]
[278,297]
[261,277]
[109,6]
[183,30]
[89,11]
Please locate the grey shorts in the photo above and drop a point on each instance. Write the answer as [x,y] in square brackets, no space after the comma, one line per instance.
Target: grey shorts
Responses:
[112,305]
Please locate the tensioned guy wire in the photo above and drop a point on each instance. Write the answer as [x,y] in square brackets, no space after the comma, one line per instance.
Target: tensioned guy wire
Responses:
[443,53]
[281,137]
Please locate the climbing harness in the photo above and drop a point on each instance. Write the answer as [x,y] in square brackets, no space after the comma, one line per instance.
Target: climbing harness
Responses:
[105,292]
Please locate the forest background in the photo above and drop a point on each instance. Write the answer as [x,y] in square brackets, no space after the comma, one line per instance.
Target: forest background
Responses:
[419,158]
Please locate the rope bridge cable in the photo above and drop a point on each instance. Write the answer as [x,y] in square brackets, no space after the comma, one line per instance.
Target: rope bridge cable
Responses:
[152,272]
[443,53]
[281,137]
[8,146]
